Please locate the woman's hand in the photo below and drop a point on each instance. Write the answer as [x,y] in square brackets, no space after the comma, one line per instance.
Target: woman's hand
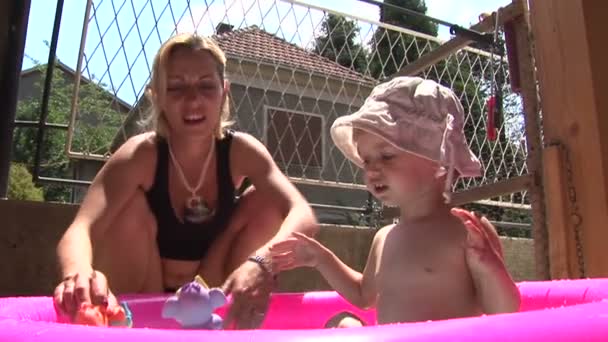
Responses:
[250,286]
[82,287]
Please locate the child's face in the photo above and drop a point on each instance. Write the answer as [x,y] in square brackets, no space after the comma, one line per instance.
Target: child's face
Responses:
[392,175]
[194,93]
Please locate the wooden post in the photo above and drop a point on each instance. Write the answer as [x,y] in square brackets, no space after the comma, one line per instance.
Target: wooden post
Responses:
[526,73]
[562,266]
[570,49]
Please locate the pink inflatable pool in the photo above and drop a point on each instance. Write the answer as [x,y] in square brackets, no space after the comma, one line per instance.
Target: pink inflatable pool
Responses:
[569,310]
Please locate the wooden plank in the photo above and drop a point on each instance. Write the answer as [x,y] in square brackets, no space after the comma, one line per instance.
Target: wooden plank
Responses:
[510,186]
[570,48]
[505,14]
[527,78]
[477,194]
[556,213]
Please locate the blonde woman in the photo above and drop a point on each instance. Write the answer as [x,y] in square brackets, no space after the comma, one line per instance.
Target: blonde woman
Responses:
[164,207]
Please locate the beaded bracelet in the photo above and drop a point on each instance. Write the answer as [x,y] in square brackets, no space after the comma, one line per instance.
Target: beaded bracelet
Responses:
[263,262]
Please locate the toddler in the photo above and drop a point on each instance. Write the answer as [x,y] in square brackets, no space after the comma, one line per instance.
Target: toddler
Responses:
[437,262]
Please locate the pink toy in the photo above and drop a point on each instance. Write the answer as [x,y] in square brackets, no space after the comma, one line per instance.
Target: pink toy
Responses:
[568,310]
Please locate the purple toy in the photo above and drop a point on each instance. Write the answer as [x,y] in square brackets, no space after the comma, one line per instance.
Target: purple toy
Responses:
[193,305]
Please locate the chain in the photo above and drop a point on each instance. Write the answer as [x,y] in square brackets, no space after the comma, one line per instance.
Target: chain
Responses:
[575,217]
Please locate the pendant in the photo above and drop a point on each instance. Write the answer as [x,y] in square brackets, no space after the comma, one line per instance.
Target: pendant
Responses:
[196,211]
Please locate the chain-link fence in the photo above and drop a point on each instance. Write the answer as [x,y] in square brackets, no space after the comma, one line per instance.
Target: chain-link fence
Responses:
[294,68]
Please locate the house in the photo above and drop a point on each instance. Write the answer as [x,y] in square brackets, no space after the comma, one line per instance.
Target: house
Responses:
[288,97]
[31,87]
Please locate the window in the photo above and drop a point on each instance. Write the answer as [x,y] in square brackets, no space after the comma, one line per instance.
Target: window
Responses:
[295,140]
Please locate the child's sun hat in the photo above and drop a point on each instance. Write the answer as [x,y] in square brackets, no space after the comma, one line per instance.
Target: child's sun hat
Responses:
[417,116]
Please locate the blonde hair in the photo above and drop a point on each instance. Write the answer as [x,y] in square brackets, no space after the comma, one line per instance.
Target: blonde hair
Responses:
[157,87]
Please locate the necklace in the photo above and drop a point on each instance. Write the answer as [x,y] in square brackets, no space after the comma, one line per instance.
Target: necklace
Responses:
[196,209]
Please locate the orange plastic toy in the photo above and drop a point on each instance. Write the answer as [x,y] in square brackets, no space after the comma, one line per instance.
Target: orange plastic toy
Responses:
[101,315]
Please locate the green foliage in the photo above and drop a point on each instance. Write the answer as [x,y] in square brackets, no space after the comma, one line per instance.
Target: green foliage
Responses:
[392,50]
[412,22]
[337,43]
[20,186]
[96,123]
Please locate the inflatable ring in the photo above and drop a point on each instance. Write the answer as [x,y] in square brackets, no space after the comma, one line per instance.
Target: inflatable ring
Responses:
[567,310]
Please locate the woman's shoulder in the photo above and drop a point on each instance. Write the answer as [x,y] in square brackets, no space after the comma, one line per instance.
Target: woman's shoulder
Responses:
[140,144]
[136,158]
[248,155]
[243,139]
[248,149]
[140,149]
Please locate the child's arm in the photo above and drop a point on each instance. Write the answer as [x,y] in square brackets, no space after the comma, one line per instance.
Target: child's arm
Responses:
[358,288]
[497,291]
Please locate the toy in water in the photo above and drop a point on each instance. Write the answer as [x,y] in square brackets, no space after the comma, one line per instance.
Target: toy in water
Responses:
[104,315]
[193,305]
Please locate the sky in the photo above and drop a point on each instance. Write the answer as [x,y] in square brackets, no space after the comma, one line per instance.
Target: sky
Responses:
[122,39]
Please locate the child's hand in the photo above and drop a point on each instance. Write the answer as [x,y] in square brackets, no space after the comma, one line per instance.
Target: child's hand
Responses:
[483,248]
[297,251]
[497,291]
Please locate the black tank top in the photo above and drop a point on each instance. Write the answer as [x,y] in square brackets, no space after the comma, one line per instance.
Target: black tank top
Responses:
[187,241]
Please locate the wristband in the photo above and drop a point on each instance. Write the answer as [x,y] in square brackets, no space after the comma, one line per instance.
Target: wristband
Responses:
[263,262]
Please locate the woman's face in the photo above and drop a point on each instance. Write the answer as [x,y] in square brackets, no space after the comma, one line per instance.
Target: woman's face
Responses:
[194,94]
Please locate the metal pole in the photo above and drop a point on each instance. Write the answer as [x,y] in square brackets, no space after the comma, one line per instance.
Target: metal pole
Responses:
[457,30]
[46,92]
[12,60]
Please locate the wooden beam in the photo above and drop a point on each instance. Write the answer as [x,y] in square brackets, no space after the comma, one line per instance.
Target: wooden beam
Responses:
[510,186]
[505,14]
[570,51]
[526,72]
[557,213]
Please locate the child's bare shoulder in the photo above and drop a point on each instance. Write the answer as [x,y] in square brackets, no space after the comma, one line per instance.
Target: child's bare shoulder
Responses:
[382,232]
[380,236]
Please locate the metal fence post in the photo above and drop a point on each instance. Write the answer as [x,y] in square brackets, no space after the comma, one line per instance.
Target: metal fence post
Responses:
[15,14]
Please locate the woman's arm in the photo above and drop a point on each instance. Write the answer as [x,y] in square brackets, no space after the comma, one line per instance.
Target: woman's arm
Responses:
[112,187]
[252,160]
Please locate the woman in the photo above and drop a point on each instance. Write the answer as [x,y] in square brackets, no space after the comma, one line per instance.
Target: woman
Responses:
[163,208]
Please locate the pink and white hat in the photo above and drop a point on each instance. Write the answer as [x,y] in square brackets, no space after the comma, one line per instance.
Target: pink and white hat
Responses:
[417,116]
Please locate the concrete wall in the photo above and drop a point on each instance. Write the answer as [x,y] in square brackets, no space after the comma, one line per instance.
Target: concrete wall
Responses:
[351,245]
[29,232]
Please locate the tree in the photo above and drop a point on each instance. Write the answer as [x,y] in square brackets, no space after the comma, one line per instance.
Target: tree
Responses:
[391,16]
[337,43]
[20,186]
[96,124]
[392,50]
